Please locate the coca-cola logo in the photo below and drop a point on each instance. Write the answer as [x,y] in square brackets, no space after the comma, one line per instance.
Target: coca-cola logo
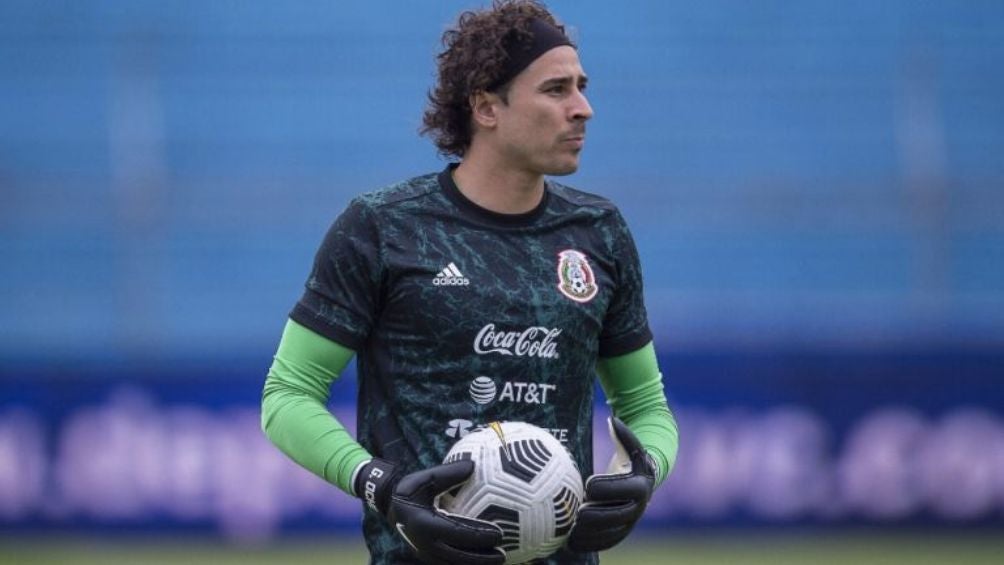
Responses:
[535,341]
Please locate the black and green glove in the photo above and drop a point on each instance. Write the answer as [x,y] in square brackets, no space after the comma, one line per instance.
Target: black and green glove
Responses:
[407,501]
[614,501]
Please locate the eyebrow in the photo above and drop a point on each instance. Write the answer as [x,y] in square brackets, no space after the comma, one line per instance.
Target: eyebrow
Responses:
[567,79]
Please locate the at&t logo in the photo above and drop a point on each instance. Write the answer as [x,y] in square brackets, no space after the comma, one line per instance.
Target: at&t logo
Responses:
[483,391]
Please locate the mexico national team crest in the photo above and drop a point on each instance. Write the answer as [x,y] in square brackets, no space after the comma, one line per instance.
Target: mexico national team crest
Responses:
[575,276]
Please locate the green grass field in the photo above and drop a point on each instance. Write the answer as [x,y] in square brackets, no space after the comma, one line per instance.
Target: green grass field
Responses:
[703,549]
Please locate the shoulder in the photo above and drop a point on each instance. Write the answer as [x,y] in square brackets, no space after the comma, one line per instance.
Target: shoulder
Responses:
[581,201]
[408,190]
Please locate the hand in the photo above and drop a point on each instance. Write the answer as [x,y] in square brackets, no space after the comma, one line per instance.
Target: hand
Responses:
[408,504]
[616,500]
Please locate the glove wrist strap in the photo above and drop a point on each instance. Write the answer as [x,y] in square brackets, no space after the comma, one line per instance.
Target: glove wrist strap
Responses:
[375,484]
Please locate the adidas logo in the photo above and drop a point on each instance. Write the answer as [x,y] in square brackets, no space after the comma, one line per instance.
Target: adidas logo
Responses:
[451,276]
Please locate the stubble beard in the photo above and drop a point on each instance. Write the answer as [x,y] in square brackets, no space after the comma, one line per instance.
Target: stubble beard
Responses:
[565,167]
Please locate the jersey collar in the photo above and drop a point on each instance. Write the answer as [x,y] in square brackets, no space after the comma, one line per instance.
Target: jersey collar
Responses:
[508,220]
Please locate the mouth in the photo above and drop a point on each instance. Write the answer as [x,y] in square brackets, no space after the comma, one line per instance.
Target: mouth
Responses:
[574,140]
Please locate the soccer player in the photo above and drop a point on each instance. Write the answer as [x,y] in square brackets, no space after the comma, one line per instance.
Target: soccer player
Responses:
[480,293]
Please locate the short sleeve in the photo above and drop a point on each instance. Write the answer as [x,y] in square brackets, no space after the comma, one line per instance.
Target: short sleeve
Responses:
[625,326]
[341,299]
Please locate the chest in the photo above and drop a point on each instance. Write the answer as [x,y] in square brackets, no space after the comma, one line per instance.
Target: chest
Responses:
[512,294]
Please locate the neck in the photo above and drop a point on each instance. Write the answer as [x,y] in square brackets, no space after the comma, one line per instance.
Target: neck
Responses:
[498,188]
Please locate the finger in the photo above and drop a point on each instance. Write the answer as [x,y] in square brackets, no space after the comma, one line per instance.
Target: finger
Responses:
[424,486]
[602,527]
[452,554]
[427,527]
[460,531]
[612,488]
[606,516]
[623,435]
[641,462]
[598,540]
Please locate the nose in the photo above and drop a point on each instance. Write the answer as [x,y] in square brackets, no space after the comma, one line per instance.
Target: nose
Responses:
[581,110]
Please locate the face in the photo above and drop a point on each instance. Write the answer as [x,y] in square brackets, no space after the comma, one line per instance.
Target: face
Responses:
[542,128]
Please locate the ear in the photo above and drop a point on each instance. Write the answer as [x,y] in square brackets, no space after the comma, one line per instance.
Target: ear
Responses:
[484,108]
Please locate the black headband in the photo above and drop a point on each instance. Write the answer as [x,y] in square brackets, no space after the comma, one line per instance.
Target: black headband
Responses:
[543,38]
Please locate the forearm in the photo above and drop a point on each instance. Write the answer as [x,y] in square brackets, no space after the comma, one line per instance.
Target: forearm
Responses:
[634,390]
[294,413]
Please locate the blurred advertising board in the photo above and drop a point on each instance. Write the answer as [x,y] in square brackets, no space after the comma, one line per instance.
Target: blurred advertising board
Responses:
[779,439]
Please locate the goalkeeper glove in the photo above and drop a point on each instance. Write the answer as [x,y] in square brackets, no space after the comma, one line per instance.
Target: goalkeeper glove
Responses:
[614,501]
[408,503]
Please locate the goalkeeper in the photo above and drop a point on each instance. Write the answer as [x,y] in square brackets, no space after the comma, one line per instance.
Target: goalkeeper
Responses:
[486,270]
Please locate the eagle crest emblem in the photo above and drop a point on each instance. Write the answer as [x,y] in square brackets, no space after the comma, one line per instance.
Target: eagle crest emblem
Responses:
[575,276]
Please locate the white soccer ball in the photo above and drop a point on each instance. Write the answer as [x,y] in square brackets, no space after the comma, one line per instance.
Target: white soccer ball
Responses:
[525,481]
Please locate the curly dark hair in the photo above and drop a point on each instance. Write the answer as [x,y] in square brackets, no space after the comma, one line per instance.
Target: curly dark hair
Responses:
[473,60]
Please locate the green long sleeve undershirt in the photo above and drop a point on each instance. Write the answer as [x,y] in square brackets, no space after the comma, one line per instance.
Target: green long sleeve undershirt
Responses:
[633,385]
[295,417]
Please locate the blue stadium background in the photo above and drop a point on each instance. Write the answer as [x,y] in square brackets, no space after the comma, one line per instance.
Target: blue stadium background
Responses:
[815,189]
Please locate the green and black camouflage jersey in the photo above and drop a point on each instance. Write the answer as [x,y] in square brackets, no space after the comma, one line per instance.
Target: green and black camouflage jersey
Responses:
[460,316]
